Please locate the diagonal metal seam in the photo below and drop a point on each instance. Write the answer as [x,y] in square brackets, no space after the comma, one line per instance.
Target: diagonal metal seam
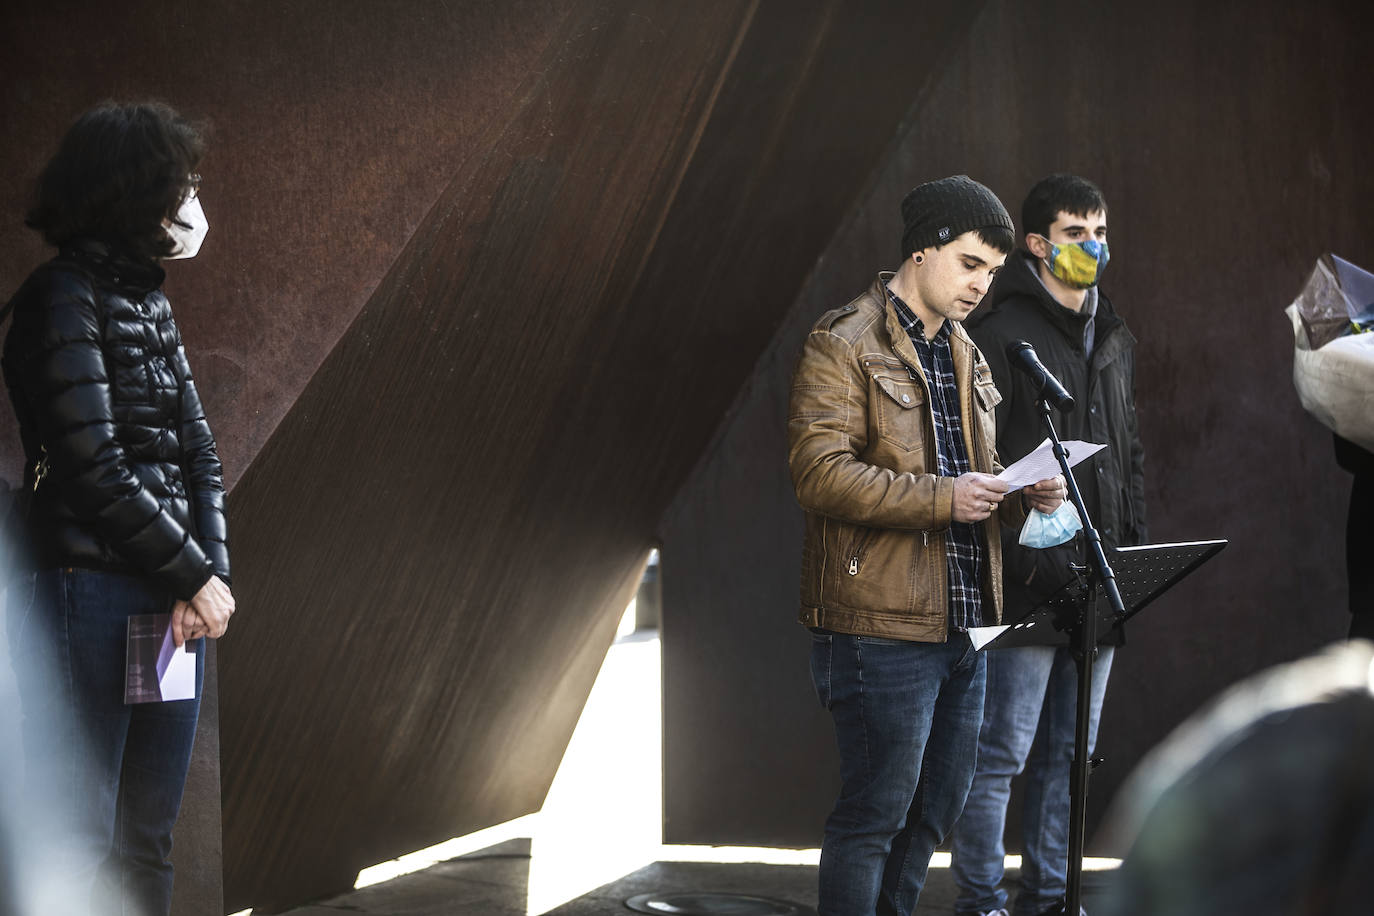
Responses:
[686,158]
[768,150]
[489,147]
[689,154]
[442,218]
[612,283]
[489,144]
[820,29]
[904,126]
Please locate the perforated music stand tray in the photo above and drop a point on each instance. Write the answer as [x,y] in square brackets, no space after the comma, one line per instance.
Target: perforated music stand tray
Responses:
[1142,574]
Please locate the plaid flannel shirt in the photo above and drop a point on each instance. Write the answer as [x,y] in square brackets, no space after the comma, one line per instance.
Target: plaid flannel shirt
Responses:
[964,541]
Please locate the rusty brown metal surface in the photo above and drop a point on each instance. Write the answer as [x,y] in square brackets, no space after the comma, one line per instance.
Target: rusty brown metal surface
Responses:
[449,576]
[848,94]
[335,127]
[482,280]
[1230,145]
[470,482]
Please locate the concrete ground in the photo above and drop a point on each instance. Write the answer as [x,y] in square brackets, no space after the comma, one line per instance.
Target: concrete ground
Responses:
[597,842]
[495,882]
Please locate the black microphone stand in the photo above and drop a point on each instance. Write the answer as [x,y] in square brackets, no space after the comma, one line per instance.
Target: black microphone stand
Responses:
[1083,643]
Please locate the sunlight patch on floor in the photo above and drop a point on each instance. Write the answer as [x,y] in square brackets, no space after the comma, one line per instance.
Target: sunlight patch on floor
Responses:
[602,818]
[442,852]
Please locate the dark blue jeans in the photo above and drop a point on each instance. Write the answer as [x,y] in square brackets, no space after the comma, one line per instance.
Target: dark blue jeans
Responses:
[1031,708]
[906,719]
[105,780]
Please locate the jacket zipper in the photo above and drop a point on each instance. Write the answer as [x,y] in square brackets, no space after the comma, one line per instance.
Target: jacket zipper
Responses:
[857,552]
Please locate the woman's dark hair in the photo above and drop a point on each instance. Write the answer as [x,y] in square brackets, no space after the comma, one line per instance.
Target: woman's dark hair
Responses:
[120,171]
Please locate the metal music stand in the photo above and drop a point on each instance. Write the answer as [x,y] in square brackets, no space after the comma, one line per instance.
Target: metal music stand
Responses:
[1074,616]
[1142,573]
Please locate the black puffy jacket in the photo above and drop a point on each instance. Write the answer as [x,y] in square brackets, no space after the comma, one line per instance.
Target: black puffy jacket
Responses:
[1019,307]
[100,385]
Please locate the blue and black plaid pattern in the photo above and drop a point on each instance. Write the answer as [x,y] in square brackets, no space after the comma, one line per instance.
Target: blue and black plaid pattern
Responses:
[963,543]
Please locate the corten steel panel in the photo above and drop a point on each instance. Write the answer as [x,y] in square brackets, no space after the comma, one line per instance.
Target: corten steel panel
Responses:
[604,325]
[849,95]
[1230,145]
[335,126]
[434,586]
[802,118]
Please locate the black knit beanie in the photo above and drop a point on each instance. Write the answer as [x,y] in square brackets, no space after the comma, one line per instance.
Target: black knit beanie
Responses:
[940,211]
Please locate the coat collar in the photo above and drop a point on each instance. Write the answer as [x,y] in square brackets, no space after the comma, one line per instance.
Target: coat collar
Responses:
[119,269]
[960,344]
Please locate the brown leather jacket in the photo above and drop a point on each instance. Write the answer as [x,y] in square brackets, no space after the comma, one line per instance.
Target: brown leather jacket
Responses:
[862,457]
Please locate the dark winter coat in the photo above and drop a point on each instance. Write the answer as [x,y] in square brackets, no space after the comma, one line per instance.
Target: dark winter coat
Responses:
[1019,307]
[101,388]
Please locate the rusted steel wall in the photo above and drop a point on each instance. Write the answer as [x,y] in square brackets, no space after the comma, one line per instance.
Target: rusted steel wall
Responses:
[443,530]
[483,278]
[1230,142]
[335,127]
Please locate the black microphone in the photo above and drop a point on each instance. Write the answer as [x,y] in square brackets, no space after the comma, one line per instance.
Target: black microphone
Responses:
[1022,355]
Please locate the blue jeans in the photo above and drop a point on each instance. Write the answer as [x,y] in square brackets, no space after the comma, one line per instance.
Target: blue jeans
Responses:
[906,719]
[1032,696]
[105,779]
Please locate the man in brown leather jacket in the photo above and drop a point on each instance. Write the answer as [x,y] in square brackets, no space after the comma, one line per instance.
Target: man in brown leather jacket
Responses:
[892,453]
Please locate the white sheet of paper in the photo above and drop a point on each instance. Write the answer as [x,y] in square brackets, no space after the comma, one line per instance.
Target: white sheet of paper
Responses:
[981,636]
[1041,464]
[176,670]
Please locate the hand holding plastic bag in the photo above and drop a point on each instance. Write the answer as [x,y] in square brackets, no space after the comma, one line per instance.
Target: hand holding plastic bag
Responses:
[1058,527]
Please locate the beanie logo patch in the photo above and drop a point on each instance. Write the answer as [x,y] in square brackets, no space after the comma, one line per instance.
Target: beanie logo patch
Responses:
[944,233]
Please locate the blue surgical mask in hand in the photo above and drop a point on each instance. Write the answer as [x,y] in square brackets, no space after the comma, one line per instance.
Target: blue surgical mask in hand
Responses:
[1058,527]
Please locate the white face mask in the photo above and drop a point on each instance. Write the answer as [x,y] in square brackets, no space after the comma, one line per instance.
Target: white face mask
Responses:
[187,241]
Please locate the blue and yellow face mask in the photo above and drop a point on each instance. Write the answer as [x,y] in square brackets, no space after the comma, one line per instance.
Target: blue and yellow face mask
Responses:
[1078,264]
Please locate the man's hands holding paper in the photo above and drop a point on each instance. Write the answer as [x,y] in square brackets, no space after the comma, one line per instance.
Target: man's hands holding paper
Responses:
[1047,495]
[976,495]
[206,614]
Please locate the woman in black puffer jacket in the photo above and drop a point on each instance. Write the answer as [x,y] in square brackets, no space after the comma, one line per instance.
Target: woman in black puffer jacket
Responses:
[126,512]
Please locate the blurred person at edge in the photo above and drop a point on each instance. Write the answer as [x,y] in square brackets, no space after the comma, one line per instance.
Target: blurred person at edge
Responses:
[1260,803]
[125,514]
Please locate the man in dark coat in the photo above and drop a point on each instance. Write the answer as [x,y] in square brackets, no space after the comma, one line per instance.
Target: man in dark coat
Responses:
[1048,295]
